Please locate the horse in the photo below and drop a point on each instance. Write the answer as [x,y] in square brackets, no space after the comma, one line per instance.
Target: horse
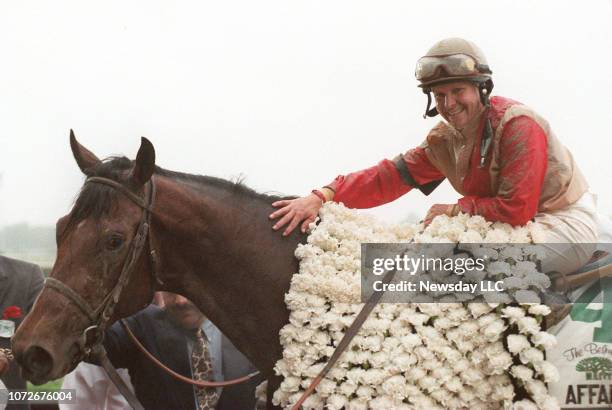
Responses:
[208,239]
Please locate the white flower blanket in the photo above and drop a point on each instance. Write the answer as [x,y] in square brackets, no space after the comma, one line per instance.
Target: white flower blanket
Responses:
[410,355]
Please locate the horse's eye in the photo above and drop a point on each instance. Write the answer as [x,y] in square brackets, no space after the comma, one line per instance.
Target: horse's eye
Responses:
[114,242]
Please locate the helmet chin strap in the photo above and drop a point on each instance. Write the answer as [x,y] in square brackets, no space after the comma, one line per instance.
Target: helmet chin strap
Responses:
[484,90]
[429,112]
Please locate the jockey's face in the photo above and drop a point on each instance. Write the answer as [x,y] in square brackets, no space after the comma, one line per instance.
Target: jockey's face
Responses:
[458,102]
[182,311]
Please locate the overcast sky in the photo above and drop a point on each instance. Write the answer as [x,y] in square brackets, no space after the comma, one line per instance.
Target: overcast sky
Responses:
[286,93]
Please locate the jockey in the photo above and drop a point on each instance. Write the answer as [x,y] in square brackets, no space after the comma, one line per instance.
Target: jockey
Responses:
[498,154]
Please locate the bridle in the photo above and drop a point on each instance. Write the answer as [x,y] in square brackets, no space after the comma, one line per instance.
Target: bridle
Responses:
[90,343]
[100,316]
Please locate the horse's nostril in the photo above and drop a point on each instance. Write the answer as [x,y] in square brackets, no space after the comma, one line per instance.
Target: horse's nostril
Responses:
[37,361]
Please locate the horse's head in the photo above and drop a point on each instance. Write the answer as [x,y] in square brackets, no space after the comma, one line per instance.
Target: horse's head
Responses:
[95,242]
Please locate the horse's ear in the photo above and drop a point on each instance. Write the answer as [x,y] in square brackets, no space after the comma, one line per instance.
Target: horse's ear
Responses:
[85,159]
[145,164]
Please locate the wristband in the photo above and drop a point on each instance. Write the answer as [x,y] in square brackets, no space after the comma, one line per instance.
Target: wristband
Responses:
[320,195]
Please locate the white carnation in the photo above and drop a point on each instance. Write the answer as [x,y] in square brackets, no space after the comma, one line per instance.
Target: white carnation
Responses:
[528,325]
[548,371]
[336,402]
[544,339]
[395,387]
[531,355]
[433,356]
[526,296]
[494,329]
[517,343]
[539,310]
[522,373]
[524,405]
[513,313]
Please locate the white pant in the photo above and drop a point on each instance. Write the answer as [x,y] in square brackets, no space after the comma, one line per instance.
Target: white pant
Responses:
[576,230]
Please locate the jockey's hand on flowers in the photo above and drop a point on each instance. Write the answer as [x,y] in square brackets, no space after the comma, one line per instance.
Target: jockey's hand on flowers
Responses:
[441,209]
[302,210]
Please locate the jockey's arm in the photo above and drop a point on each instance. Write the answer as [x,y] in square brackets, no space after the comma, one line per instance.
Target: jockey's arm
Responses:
[386,181]
[374,186]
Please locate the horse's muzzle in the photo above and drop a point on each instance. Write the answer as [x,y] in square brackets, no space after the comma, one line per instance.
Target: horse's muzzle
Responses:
[37,364]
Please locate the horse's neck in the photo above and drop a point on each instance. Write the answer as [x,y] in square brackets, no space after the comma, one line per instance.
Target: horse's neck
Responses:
[221,253]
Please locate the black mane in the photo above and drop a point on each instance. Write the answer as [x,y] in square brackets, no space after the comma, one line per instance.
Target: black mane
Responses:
[96,200]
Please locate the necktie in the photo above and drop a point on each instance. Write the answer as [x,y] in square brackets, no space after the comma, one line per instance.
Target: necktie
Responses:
[201,364]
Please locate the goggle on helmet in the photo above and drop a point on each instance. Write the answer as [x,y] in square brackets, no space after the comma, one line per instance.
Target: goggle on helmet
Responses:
[453,59]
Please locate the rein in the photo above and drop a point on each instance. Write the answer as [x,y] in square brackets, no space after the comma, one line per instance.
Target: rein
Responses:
[91,340]
[198,383]
[351,332]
